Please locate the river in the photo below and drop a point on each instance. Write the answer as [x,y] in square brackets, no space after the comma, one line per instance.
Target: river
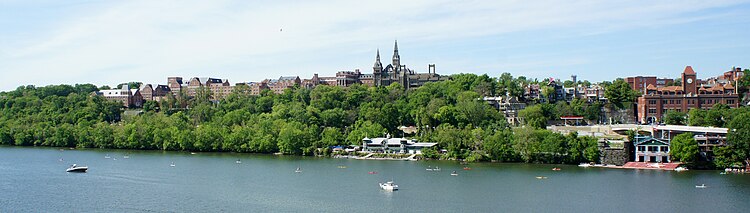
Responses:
[34,180]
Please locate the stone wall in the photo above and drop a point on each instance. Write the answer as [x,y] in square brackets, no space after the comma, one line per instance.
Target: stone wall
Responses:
[614,156]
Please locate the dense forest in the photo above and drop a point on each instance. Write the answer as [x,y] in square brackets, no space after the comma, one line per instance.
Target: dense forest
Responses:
[299,121]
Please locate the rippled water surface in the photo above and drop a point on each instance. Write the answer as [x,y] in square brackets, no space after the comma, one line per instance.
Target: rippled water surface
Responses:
[34,180]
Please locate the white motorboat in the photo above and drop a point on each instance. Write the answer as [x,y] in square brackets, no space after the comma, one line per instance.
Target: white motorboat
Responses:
[107,156]
[454,173]
[238,161]
[172,165]
[680,169]
[585,165]
[389,186]
[298,170]
[429,168]
[76,168]
[126,156]
[700,186]
[436,169]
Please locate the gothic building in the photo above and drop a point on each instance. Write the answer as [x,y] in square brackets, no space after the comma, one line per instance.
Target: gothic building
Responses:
[399,73]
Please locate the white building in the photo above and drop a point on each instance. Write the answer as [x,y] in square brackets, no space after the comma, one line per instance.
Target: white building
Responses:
[648,149]
[394,145]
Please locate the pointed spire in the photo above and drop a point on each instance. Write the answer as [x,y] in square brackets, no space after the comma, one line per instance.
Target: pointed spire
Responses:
[377,58]
[395,47]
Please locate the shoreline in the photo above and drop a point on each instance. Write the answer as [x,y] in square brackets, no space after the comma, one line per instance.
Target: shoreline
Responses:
[333,156]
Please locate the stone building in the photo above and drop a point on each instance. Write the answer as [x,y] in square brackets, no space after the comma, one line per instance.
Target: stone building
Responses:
[693,93]
[400,73]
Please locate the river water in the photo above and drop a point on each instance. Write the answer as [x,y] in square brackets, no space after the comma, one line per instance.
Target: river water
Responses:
[34,180]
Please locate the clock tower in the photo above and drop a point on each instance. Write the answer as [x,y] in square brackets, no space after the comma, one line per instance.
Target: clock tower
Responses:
[689,81]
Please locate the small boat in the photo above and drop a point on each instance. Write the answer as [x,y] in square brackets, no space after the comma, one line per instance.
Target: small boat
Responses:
[585,165]
[114,158]
[76,168]
[238,161]
[126,156]
[372,172]
[454,173]
[429,168]
[389,186]
[342,167]
[723,173]
[680,169]
[436,169]
[298,170]
[541,177]
[192,153]
[700,186]
[61,160]
[556,169]
[467,168]
[107,156]
[172,165]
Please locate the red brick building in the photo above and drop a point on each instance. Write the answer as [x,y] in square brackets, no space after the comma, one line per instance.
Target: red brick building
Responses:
[655,101]
[638,83]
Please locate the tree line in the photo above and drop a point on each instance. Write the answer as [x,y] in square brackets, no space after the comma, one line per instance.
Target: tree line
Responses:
[299,121]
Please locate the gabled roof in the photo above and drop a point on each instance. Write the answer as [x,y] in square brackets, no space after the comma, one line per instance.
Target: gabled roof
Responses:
[650,141]
[689,70]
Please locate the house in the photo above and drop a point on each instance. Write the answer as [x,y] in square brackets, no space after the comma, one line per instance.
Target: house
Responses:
[394,145]
[653,150]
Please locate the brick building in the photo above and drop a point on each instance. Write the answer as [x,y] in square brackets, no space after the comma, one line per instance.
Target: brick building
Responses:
[638,83]
[693,93]
[151,93]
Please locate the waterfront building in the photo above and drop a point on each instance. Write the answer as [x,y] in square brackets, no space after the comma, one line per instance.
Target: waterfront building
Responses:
[708,138]
[394,145]
[649,149]
[693,93]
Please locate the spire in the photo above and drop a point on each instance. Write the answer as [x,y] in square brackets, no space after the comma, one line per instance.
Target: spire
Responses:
[378,66]
[377,58]
[396,58]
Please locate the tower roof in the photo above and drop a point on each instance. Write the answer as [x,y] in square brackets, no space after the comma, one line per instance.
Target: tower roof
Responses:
[689,70]
[377,59]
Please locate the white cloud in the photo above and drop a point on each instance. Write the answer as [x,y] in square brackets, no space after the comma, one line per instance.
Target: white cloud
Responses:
[251,40]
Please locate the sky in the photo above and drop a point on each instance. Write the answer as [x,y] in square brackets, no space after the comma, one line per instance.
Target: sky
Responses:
[48,42]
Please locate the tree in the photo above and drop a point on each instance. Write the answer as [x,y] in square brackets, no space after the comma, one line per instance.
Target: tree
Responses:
[675,118]
[619,93]
[697,117]
[738,137]
[684,148]
[534,117]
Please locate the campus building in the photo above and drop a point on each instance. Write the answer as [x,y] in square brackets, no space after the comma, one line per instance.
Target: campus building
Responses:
[693,93]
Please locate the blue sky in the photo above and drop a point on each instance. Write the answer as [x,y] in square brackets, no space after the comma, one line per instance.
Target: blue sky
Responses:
[109,42]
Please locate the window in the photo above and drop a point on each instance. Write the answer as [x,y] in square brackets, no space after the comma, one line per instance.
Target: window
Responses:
[664,148]
[651,111]
[671,101]
[730,101]
[664,102]
[641,148]
[652,102]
